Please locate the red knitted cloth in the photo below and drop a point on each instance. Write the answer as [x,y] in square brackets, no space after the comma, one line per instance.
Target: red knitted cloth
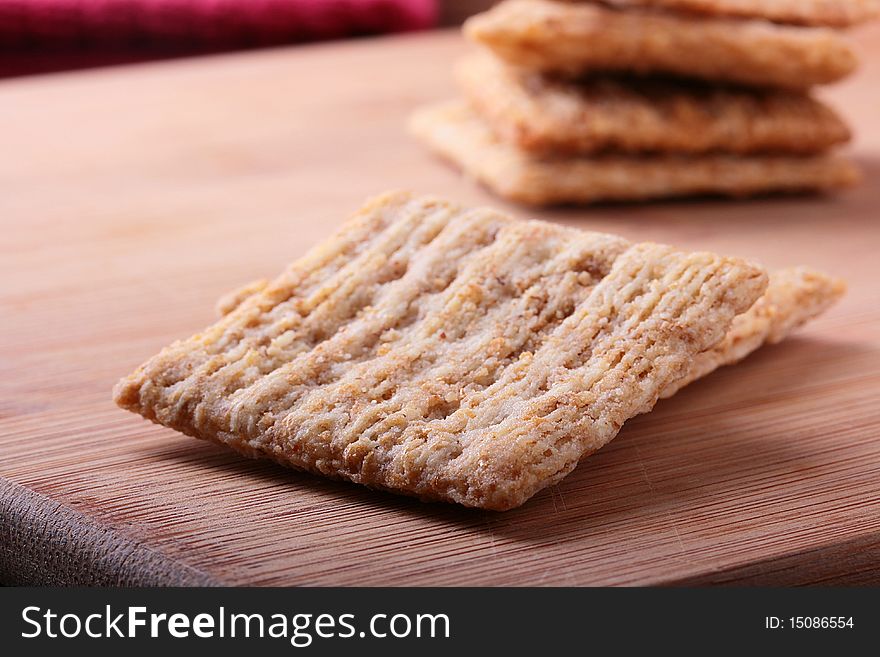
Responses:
[40,35]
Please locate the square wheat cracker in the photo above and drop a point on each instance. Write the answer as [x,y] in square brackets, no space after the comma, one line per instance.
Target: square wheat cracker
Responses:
[447,353]
[572,39]
[455,132]
[542,114]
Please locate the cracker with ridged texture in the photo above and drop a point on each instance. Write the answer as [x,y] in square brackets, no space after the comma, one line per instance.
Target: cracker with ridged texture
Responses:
[455,132]
[572,39]
[627,114]
[446,353]
[830,13]
[793,297]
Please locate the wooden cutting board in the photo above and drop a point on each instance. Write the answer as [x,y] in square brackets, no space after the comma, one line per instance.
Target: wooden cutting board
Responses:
[133,198]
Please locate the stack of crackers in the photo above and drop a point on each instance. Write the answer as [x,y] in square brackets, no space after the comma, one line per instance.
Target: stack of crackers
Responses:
[575,102]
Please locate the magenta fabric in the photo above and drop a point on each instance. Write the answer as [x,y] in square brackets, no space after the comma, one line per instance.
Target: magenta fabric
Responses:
[38,35]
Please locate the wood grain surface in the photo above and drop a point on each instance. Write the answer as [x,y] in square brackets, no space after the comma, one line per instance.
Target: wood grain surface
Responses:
[133,198]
